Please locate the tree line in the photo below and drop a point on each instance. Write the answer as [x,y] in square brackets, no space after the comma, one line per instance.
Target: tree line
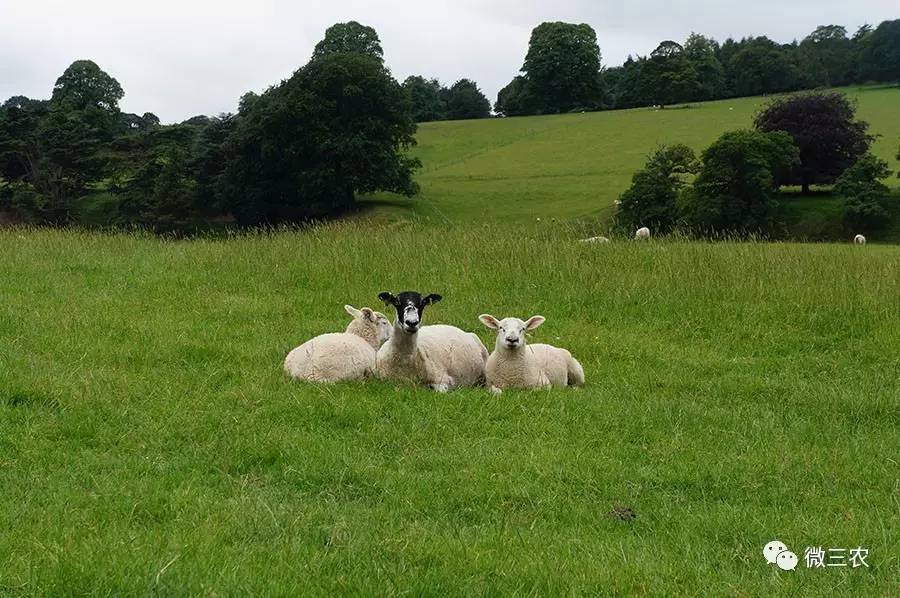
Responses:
[339,126]
[562,70]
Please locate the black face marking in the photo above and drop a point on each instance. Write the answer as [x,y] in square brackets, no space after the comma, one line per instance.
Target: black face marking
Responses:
[410,306]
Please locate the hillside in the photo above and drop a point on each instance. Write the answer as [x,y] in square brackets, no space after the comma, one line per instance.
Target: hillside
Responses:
[576,165]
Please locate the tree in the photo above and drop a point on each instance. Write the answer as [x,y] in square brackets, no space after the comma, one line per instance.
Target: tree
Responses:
[652,199]
[339,126]
[668,76]
[701,52]
[350,37]
[737,184]
[562,68]
[464,100]
[513,100]
[823,128]
[762,66]
[830,50]
[881,53]
[425,97]
[85,85]
[866,198]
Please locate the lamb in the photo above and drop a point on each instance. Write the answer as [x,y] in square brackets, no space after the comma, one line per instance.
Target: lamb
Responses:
[338,356]
[515,364]
[600,239]
[859,240]
[440,357]
[642,234]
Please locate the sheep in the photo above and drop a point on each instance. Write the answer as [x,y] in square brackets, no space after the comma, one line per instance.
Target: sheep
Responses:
[600,239]
[642,233]
[515,364]
[859,240]
[440,357]
[337,356]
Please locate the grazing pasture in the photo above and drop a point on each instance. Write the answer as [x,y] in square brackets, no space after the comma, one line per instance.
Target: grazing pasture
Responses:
[736,393]
[575,165]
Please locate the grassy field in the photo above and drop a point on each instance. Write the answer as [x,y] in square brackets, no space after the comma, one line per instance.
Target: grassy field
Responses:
[737,392]
[576,165]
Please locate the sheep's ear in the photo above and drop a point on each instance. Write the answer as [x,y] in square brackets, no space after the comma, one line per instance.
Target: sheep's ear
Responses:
[368,313]
[387,298]
[489,321]
[533,322]
[432,298]
[352,311]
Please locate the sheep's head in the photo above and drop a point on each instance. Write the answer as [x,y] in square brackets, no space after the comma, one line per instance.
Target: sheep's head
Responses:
[409,305]
[369,324]
[511,331]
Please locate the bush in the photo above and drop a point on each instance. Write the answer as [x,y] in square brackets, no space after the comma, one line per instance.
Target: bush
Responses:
[866,198]
[652,199]
[736,188]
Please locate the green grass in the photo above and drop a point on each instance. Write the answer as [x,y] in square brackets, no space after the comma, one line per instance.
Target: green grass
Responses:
[575,165]
[737,392]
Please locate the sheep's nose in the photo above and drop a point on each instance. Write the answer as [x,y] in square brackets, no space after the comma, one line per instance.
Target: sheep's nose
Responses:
[512,341]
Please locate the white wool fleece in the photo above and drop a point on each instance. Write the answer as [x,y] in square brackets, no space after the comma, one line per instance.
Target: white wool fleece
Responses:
[338,356]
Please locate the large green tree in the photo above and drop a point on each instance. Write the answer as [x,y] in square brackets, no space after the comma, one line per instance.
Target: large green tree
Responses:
[668,77]
[830,51]
[562,68]
[880,55]
[425,97]
[464,100]
[340,126]
[736,189]
[349,38]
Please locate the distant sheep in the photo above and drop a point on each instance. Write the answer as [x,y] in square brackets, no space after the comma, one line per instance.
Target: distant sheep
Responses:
[516,364]
[859,240]
[440,357]
[337,356]
[642,233]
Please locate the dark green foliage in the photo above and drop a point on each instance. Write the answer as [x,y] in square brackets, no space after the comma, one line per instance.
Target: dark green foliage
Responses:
[737,184]
[562,68]
[828,52]
[652,199]
[58,148]
[669,77]
[701,53]
[866,198]
[823,128]
[880,53]
[349,38]
[464,100]
[425,98]
[339,126]
[762,66]
[514,99]
[85,85]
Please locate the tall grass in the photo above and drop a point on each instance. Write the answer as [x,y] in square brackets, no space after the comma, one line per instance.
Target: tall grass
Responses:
[737,392]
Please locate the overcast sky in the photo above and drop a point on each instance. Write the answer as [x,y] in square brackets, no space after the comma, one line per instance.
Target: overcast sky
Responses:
[178,58]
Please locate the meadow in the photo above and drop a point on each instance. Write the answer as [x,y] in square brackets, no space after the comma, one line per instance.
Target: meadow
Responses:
[574,166]
[737,393]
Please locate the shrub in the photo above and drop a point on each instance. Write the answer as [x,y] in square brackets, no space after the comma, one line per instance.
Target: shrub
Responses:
[866,198]
[652,199]
[736,188]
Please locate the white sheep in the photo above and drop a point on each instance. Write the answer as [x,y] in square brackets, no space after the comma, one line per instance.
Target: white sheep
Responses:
[516,364]
[859,240]
[600,239]
[337,356]
[440,357]
[642,233]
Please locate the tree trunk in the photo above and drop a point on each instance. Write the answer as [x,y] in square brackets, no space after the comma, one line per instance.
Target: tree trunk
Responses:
[805,188]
